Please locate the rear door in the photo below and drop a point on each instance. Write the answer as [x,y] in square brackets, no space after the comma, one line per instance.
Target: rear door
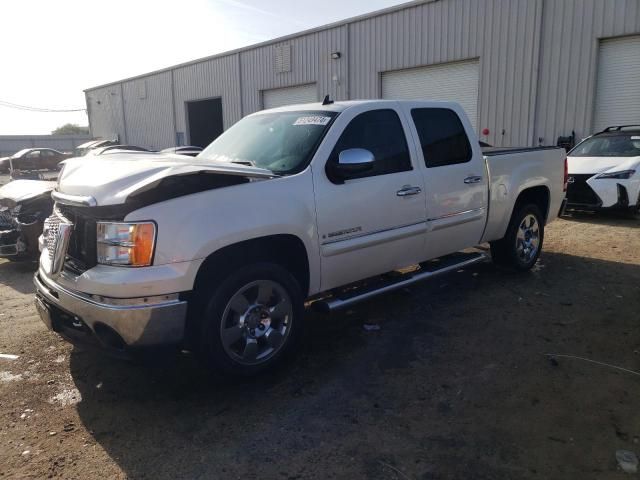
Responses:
[455,177]
[48,159]
[374,222]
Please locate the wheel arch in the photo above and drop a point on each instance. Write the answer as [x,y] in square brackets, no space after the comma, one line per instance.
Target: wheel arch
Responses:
[287,250]
[538,195]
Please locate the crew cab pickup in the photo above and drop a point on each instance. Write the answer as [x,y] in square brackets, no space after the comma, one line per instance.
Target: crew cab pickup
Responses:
[319,205]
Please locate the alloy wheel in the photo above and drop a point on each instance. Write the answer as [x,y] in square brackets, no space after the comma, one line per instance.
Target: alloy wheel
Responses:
[256,322]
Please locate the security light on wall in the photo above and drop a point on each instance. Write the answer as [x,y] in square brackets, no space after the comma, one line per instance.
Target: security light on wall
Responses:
[336,55]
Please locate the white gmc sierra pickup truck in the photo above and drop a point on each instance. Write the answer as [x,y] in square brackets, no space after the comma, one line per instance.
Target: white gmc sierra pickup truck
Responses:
[321,204]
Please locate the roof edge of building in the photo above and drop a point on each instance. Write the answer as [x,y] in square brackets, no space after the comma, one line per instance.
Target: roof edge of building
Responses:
[328,26]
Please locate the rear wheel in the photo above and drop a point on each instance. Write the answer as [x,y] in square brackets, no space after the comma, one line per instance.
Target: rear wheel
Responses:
[522,244]
[251,320]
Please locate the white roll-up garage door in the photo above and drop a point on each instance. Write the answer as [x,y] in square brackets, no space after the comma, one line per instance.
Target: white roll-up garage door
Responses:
[618,87]
[456,82]
[279,97]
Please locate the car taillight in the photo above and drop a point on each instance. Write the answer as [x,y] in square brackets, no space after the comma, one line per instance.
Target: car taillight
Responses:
[566,175]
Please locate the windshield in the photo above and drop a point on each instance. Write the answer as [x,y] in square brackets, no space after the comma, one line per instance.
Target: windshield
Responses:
[623,145]
[20,153]
[282,142]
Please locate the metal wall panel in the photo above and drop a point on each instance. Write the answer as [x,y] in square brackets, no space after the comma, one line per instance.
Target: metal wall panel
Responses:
[10,144]
[104,107]
[311,62]
[502,34]
[148,111]
[537,66]
[569,61]
[219,77]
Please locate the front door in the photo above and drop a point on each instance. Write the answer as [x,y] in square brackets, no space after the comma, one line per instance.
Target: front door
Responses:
[455,177]
[374,221]
[30,161]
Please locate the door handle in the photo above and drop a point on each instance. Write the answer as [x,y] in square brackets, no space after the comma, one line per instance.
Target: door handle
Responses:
[408,190]
[473,179]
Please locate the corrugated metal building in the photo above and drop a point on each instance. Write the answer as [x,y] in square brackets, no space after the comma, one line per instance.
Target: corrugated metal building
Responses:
[526,70]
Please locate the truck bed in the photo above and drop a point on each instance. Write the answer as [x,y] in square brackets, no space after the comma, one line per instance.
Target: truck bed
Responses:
[512,170]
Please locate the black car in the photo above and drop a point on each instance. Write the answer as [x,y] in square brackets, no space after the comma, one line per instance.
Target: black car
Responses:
[33,159]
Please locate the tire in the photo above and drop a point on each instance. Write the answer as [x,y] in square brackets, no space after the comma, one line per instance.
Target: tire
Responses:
[522,244]
[250,321]
[635,210]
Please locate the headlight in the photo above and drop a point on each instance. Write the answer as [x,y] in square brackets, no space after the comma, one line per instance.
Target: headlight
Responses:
[126,244]
[621,175]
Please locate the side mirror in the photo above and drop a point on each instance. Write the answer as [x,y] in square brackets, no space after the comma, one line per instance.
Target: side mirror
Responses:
[350,162]
[355,160]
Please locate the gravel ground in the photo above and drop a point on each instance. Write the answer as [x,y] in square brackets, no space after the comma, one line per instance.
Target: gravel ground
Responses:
[455,384]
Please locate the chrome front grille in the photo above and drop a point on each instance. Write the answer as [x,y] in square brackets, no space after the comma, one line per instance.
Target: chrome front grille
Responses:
[51,228]
[57,231]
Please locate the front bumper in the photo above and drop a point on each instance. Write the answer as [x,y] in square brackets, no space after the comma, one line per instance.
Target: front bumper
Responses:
[113,322]
[586,191]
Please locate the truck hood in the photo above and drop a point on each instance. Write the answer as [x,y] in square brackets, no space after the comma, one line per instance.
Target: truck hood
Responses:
[21,190]
[120,177]
[593,165]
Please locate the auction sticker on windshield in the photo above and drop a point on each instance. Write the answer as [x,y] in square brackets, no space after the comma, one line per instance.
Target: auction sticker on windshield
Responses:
[312,120]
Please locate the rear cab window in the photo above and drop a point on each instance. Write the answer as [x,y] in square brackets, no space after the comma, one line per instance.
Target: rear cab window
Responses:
[443,138]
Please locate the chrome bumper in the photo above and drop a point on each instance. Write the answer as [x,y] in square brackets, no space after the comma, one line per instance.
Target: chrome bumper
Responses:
[139,322]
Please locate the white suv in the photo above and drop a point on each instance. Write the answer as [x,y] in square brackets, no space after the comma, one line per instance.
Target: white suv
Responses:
[604,170]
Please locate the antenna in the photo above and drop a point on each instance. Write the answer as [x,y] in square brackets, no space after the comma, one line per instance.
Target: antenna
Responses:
[327,101]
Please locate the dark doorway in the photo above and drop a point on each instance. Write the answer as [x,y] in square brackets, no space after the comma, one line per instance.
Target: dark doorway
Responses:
[204,119]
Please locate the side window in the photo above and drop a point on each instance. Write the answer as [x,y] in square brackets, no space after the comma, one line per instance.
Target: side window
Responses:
[442,136]
[33,155]
[380,132]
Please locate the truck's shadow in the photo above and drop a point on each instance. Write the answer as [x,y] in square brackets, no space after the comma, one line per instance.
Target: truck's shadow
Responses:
[448,387]
[612,219]
[18,275]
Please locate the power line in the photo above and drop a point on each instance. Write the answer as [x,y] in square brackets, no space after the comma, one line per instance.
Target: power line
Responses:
[27,108]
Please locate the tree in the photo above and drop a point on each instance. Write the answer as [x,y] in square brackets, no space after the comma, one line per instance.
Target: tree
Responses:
[71,129]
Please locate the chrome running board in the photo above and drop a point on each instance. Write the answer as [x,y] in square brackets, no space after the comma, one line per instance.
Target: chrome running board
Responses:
[427,270]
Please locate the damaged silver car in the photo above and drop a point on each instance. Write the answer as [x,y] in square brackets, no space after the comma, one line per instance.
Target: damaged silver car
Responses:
[24,206]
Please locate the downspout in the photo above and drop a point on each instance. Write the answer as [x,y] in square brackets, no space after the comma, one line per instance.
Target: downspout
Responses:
[88,110]
[537,54]
[240,85]
[173,112]
[124,117]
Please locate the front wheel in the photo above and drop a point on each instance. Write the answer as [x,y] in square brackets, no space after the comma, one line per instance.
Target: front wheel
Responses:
[522,244]
[251,320]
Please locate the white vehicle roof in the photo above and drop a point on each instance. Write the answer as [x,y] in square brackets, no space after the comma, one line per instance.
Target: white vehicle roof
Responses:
[341,106]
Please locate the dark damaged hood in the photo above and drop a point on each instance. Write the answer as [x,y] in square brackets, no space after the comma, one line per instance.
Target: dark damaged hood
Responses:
[22,190]
[118,178]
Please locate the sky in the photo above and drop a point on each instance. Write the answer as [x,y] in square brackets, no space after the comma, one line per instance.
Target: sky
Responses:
[54,49]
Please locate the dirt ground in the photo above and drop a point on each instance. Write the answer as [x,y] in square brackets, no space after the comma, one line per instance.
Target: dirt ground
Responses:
[455,384]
